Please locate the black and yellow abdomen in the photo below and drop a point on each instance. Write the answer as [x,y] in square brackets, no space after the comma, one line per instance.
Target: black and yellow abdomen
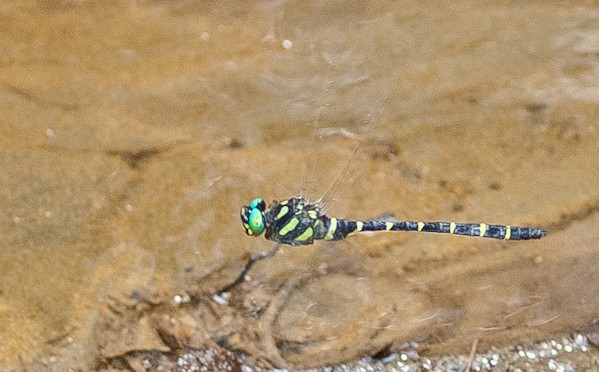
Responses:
[467,229]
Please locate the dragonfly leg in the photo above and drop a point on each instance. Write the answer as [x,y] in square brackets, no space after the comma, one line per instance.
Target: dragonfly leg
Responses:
[255,257]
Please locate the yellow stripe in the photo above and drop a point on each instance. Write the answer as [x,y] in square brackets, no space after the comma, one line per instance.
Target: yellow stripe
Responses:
[420,226]
[305,235]
[483,229]
[359,227]
[312,214]
[284,202]
[283,211]
[388,225]
[247,229]
[317,225]
[451,227]
[508,232]
[289,227]
[331,230]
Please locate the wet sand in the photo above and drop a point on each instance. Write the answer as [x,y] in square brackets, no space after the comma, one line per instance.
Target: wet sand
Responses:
[134,132]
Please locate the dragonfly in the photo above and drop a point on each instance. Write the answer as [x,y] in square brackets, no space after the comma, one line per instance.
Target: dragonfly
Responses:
[297,222]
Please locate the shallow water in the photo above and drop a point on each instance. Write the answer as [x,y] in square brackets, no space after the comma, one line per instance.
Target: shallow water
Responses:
[133,133]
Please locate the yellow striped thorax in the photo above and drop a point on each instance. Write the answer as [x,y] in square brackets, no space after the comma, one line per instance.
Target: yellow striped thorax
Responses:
[252,217]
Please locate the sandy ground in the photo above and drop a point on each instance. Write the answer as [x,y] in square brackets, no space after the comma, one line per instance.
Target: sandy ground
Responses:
[132,133]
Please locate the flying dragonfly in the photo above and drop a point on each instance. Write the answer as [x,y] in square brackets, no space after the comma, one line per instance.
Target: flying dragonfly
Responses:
[297,222]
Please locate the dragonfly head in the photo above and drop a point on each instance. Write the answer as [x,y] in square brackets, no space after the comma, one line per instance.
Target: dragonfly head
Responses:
[252,217]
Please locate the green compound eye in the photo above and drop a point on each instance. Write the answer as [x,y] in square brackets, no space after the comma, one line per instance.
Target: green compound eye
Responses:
[256,221]
[252,217]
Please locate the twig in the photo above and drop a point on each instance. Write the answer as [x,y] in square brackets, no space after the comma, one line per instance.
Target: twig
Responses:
[241,277]
[472,354]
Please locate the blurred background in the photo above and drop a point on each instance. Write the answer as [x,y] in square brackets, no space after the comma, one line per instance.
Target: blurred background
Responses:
[134,131]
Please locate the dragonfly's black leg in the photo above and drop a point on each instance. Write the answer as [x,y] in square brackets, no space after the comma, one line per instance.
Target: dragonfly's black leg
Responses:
[255,257]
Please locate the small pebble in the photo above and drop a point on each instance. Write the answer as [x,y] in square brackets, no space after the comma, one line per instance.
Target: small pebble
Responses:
[287,44]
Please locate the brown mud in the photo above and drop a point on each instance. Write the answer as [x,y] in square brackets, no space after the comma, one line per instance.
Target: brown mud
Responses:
[132,133]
